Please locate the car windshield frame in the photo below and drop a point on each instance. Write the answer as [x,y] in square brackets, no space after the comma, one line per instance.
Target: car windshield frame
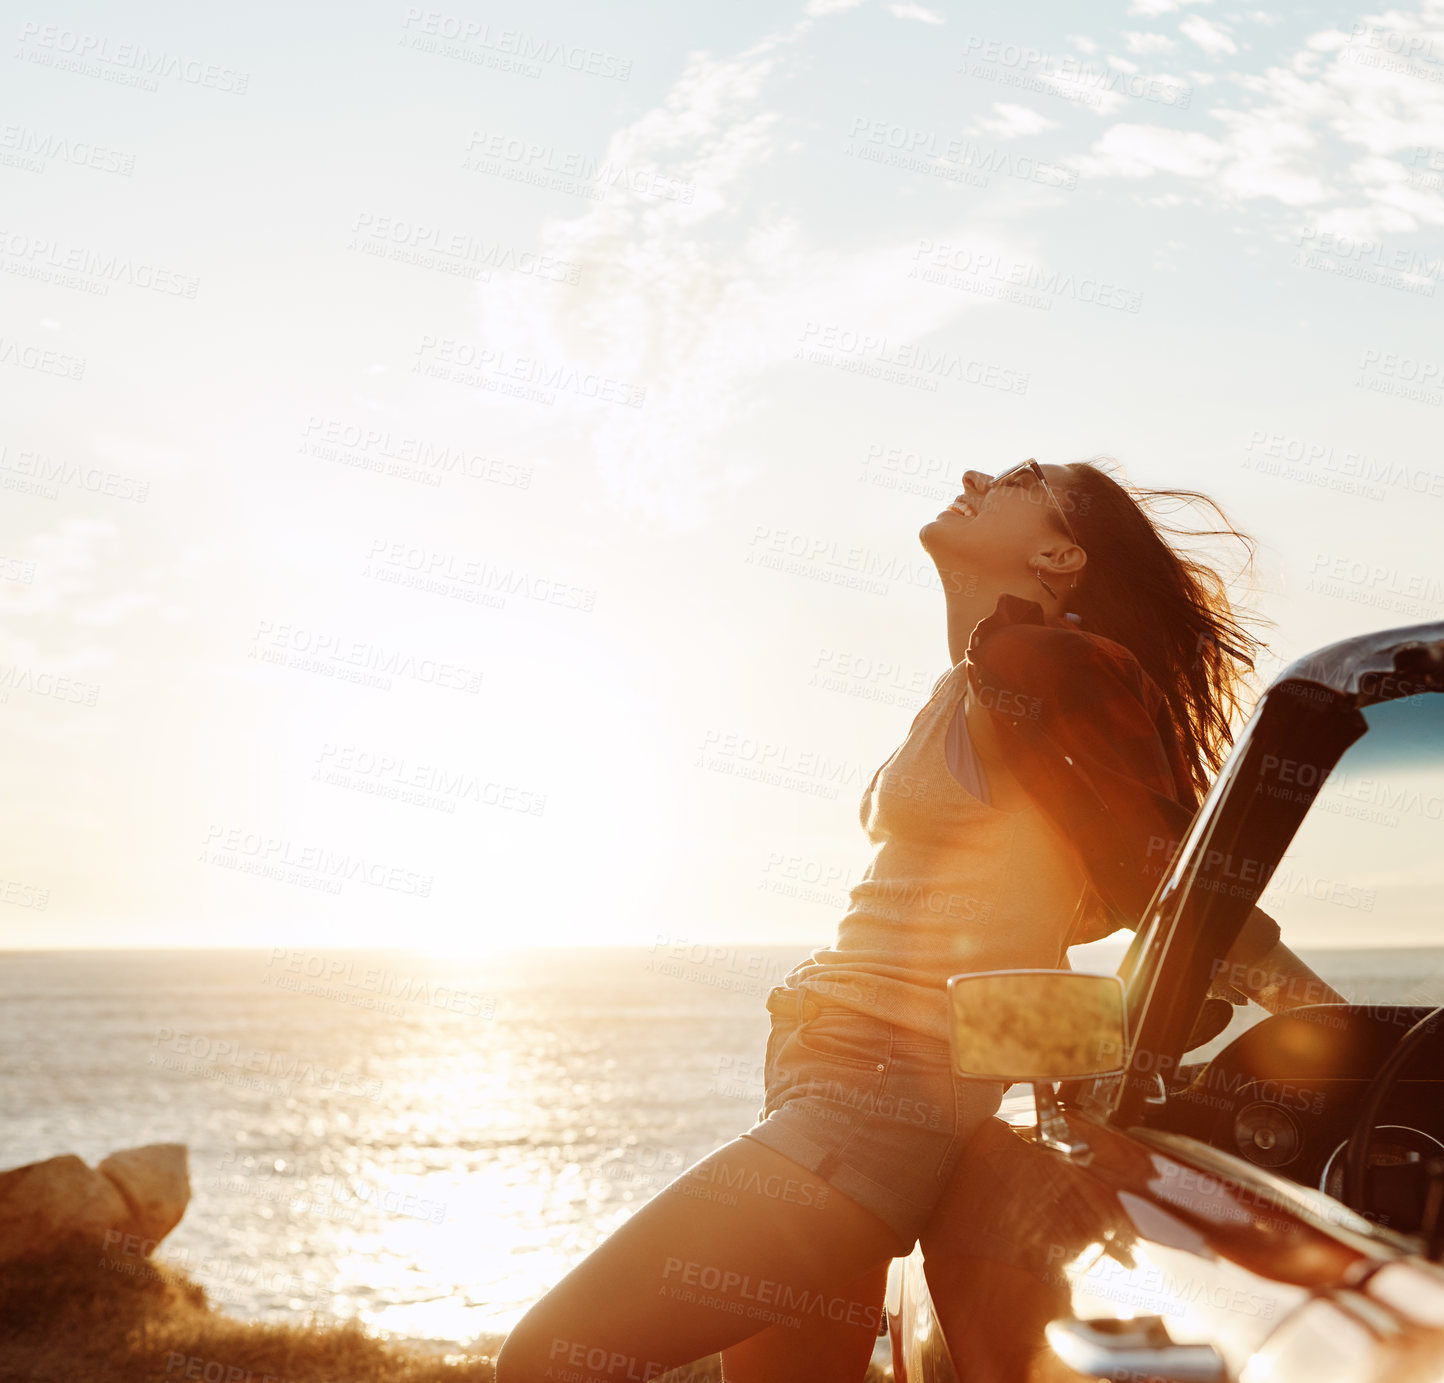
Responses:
[1311,712]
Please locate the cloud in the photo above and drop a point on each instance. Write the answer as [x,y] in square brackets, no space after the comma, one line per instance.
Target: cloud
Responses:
[1143,43]
[1272,160]
[1212,38]
[1152,8]
[1336,128]
[1105,87]
[691,300]
[1012,121]
[905,9]
[1139,151]
[77,566]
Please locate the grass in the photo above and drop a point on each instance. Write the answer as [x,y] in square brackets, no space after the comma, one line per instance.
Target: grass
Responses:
[79,1317]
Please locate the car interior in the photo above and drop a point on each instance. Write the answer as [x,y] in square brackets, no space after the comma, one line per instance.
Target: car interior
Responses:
[1346,1098]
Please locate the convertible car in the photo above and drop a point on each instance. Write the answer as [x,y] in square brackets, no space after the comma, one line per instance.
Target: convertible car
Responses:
[1269,1206]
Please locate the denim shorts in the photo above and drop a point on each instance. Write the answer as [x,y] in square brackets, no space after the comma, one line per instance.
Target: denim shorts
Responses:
[872,1108]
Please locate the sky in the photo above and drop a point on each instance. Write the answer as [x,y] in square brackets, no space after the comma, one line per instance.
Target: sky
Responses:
[462,468]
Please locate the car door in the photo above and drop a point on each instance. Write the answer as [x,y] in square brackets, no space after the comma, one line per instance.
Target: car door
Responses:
[1028,1238]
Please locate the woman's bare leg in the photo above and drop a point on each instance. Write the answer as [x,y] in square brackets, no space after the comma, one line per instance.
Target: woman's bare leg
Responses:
[743,1241]
[818,1351]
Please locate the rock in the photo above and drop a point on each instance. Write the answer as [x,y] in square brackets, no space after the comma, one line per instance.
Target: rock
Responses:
[135,1199]
[155,1182]
[51,1203]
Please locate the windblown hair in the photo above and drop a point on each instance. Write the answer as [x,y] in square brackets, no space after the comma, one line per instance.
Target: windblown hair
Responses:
[1171,611]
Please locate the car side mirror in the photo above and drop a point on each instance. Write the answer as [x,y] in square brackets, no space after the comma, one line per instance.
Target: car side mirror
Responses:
[1038,1026]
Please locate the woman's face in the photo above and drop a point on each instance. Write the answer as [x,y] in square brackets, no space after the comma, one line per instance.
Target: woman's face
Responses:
[998,530]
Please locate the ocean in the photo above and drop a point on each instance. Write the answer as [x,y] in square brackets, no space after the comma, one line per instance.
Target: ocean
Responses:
[427,1144]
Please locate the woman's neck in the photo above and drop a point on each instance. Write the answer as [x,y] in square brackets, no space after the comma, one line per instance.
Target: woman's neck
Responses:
[970,599]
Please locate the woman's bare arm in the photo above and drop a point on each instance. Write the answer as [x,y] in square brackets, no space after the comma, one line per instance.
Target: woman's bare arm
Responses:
[1276,979]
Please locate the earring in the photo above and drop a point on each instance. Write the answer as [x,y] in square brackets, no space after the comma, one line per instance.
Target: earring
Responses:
[1038,572]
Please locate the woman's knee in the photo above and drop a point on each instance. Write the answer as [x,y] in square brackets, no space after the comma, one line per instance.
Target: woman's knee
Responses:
[539,1347]
[519,1361]
[531,1353]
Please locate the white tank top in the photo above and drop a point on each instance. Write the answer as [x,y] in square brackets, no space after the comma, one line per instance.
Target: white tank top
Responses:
[954,884]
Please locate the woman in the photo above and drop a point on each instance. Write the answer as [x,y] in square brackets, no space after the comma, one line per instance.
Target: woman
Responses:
[1033,804]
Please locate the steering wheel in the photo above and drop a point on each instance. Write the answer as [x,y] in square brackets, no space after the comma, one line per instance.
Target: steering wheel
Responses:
[1356,1152]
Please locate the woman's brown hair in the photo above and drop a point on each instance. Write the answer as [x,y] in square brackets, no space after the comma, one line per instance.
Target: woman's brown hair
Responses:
[1170,610]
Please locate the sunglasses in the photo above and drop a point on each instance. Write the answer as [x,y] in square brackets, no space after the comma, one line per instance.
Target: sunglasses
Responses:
[1025,474]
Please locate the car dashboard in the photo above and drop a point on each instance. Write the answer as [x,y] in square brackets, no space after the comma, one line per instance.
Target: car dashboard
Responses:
[1287,1093]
